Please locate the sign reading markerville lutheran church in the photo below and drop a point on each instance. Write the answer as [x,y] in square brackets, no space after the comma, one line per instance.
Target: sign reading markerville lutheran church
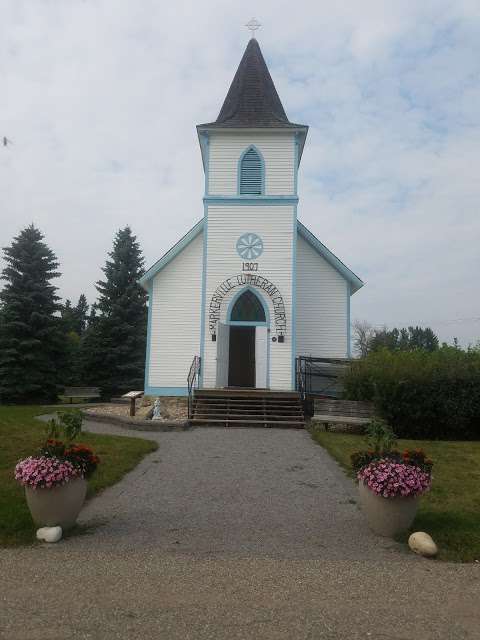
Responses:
[249,288]
[242,280]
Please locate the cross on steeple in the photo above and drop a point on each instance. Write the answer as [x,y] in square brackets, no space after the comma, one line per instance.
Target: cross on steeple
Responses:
[252,25]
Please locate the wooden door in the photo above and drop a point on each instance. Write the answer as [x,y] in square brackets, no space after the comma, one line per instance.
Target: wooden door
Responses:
[241,357]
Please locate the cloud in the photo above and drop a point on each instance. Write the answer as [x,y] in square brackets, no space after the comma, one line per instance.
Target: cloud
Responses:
[101,98]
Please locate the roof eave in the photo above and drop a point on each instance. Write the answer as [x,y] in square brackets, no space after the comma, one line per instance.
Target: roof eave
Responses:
[300,130]
[355,282]
[171,254]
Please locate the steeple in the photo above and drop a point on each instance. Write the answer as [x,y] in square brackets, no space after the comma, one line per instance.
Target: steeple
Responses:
[252,100]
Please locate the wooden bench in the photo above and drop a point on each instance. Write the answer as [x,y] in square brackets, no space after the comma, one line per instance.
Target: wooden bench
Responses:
[81,392]
[351,412]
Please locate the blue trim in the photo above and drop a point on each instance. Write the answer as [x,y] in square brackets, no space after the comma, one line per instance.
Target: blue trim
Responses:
[171,253]
[294,295]
[332,259]
[149,333]
[207,161]
[295,165]
[262,169]
[349,338]
[166,391]
[204,294]
[242,200]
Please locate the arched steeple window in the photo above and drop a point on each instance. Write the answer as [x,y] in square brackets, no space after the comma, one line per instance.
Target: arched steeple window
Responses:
[251,172]
[248,308]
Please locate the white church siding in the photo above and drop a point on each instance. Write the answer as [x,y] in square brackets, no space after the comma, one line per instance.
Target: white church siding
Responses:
[274,224]
[174,326]
[322,306]
[277,149]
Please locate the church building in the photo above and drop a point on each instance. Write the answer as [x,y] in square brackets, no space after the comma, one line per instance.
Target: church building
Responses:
[249,288]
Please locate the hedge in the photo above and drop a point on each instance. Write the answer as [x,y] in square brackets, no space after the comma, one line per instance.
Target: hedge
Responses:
[431,395]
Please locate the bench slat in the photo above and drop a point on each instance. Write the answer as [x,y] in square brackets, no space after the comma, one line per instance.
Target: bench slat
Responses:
[346,411]
[340,419]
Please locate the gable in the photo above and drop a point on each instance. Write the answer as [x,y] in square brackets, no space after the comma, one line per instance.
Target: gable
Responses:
[171,254]
[355,282]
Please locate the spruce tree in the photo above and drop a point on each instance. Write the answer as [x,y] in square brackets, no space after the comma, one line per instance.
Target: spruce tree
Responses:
[80,313]
[114,344]
[32,344]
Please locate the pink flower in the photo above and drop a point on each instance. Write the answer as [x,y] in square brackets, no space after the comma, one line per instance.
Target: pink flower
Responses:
[44,472]
[390,479]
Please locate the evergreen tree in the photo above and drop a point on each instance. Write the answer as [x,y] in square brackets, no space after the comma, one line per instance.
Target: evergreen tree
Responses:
[68,319]
[74,321]
[32,344]
[115,341]
[75,318]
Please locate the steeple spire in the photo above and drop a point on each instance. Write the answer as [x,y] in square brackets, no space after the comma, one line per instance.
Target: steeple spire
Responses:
[252,100]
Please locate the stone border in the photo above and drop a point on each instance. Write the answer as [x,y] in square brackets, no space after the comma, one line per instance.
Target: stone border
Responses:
[138,424]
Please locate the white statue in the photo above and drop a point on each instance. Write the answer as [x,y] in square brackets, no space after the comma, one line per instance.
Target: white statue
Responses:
[156,410]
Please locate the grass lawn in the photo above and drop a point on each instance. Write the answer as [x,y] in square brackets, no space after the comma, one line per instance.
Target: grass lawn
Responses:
[450,511]
[21,435]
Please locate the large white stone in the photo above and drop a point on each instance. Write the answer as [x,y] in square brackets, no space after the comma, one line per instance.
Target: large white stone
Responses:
[423,544]
[49,534]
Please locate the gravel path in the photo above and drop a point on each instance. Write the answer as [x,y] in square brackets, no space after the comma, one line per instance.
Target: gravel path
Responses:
[232,533]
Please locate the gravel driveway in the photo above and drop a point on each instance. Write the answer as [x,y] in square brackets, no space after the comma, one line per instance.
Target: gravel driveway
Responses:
[232,533]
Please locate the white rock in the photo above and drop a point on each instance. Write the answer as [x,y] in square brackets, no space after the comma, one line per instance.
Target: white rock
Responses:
[49,534]
[421,543]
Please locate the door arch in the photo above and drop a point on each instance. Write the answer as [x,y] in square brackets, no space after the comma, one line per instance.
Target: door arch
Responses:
[248,323]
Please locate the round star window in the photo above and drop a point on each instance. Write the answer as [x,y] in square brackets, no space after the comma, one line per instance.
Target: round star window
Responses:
[249,246]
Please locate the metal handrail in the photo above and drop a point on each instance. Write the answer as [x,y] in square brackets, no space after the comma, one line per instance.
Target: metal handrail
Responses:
[300,381]
[192,382]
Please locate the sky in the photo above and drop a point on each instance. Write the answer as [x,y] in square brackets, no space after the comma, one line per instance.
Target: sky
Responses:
[100,99]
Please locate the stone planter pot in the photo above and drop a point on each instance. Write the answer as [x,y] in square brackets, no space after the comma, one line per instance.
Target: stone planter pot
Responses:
[387,516]
[58,506]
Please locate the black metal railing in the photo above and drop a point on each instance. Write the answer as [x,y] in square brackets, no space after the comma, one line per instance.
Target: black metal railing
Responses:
[320,377]
[192,383]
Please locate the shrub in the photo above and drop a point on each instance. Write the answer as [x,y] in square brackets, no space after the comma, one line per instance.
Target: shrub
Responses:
[380,436]
[422,395]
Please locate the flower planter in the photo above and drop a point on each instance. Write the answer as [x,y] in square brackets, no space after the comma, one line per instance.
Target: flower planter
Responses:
[387,516]
[57,506]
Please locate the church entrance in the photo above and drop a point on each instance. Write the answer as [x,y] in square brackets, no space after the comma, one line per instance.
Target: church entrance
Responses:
[242,344]
[241,357]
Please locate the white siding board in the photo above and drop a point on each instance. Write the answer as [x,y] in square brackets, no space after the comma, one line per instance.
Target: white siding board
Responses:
[176,315]
[274,224]
[322,296]
[225,150]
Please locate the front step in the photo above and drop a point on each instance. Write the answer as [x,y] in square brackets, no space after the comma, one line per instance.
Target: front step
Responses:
[247,408]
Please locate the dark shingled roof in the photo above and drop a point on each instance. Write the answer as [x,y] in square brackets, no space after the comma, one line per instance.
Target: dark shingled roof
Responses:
[252,100]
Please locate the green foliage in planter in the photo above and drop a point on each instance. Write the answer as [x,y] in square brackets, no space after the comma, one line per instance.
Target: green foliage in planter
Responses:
[422,395]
